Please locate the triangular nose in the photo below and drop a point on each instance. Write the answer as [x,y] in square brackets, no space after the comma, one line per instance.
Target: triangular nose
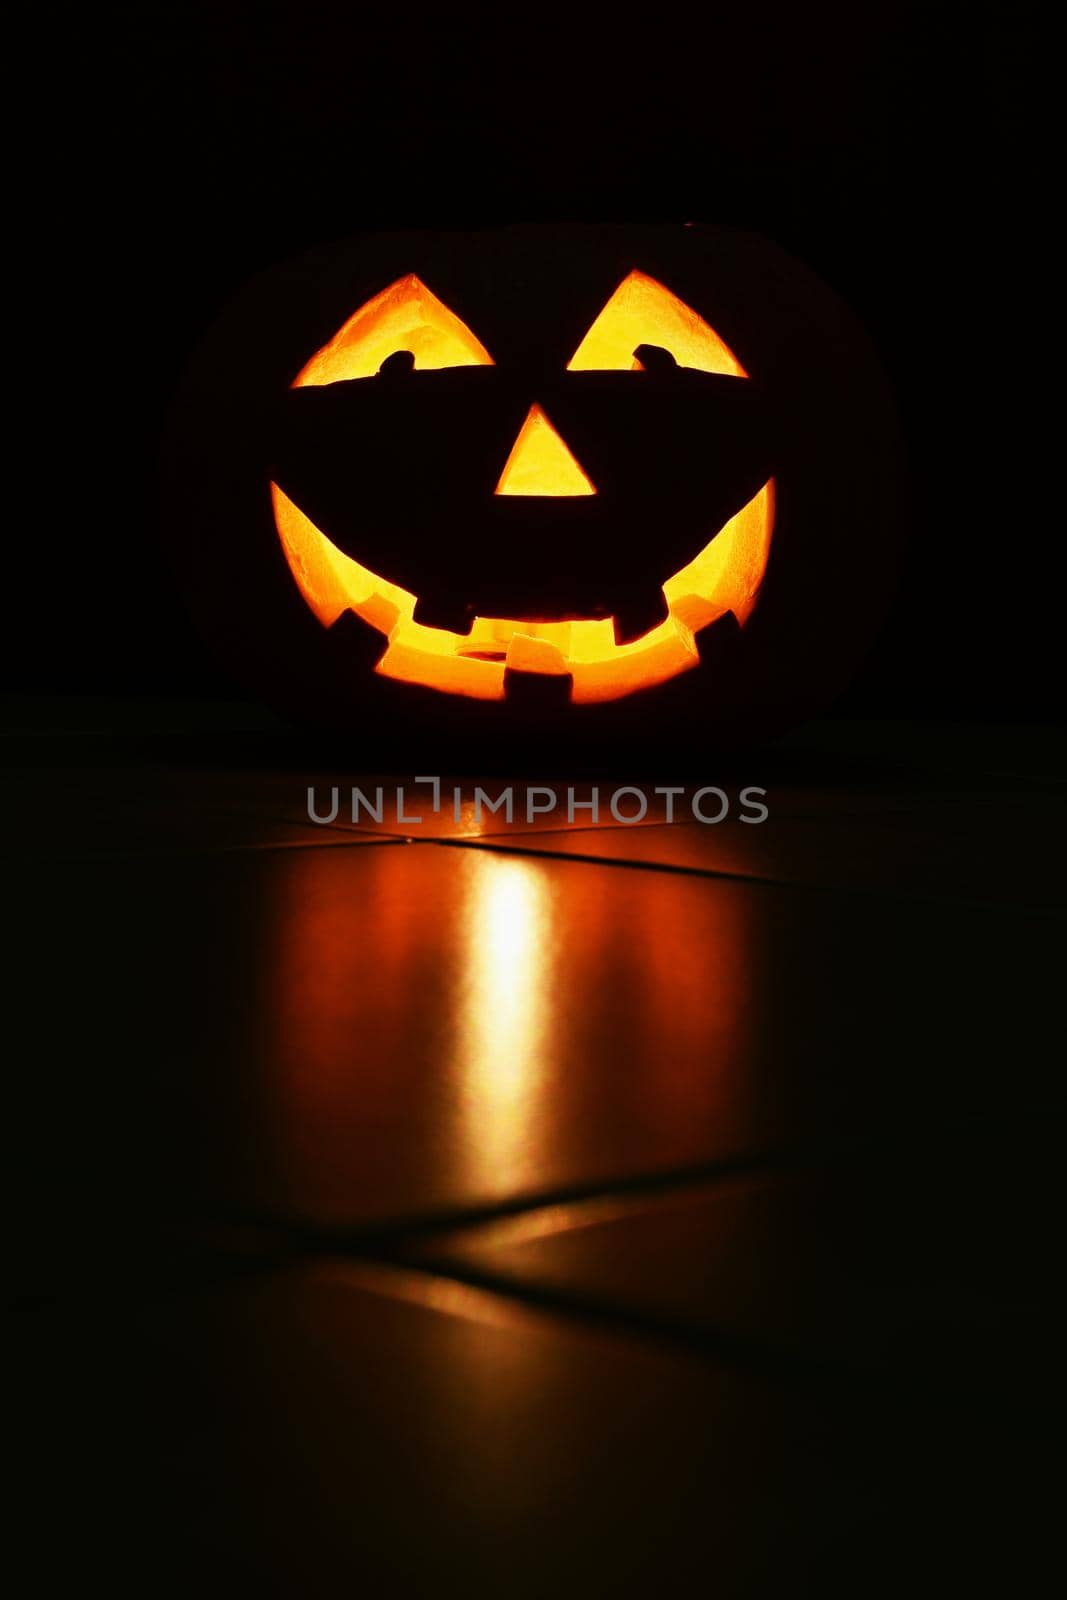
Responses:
[540,462]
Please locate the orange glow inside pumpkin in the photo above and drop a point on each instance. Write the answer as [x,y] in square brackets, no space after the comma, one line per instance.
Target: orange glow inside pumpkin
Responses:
[405,316]
[642,311]
[540,463]
[724,576]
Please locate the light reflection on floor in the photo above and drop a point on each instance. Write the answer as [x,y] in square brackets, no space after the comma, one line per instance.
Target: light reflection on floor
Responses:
[475,1024]
[506,1013]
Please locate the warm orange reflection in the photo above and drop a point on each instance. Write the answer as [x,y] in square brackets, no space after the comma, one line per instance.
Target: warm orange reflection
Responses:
[441,1027]
[505,1018]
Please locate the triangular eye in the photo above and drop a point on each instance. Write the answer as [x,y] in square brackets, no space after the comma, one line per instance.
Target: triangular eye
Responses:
[644,312]
[405,316]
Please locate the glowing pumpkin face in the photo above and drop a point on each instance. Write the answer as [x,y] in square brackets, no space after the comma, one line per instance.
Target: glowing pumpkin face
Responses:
[620,485]
[552,571]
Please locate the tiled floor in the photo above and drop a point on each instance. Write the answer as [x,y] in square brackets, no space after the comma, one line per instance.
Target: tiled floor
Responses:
[631,1210]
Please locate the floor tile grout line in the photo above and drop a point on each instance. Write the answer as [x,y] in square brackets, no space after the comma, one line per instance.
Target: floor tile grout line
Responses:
[713,873]
[190,852]
[349,839]
[758,1360]
[393,1248]
[411,1229]
[386,1239]
[278,820]
[341,1240]
[717,1344]
[753,1357]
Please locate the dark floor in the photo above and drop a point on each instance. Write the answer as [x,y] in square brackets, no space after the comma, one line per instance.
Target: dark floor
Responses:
[649,1210]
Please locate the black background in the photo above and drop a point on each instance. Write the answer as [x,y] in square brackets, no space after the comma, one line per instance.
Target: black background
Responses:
[891,147]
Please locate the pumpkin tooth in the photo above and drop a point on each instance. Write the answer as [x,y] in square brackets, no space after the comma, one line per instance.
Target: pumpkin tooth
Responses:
[356,640]
[717,638]
[527,654]
[444,611]
[638,614]
[537,691]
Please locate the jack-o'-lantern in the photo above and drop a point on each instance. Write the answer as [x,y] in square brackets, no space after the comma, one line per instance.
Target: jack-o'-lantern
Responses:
[579,481]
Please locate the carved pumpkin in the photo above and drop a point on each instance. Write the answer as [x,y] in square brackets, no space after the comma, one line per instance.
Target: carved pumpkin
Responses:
[571,479]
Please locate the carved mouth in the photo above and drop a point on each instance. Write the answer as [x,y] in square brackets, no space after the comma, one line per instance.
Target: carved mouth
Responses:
[723,577]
